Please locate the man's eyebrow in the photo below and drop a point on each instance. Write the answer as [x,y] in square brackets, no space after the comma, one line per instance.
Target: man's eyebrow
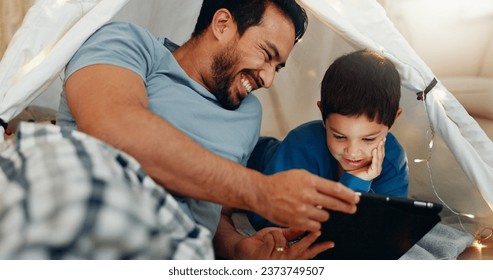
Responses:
[273,47]
[276,56]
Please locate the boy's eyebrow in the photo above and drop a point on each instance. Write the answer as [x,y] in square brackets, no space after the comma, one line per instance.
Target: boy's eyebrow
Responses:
[335,130]
[367,135]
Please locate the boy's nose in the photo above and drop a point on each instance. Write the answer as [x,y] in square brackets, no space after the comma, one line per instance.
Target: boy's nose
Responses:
[352,150]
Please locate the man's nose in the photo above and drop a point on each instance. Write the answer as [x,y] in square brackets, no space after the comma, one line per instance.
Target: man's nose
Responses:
[267,75]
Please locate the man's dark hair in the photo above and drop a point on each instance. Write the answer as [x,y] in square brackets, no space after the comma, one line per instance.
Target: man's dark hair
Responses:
[362,83]
[248,13]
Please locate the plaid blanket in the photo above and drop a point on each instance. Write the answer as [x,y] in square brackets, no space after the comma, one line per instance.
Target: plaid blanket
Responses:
[66,195]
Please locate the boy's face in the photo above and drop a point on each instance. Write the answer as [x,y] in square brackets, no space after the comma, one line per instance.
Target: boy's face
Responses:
[351,139]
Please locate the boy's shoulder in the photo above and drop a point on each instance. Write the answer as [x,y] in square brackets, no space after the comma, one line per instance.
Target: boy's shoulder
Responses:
[309,131]
[394,152]
[311,127]
[308,134]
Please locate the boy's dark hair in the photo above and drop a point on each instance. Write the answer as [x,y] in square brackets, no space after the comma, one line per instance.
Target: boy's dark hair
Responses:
[362,83]
[247,13]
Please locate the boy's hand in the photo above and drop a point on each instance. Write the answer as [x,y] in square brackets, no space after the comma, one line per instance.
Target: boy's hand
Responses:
[372,171]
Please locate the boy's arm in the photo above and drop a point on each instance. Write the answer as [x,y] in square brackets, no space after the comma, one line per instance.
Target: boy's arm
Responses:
[393,179]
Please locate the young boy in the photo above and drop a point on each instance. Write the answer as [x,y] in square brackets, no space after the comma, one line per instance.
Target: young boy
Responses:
[359,103]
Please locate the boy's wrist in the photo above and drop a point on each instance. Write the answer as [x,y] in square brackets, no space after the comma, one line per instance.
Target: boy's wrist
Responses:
[355,183]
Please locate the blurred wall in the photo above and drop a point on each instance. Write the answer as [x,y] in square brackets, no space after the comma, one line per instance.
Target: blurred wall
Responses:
[11,14]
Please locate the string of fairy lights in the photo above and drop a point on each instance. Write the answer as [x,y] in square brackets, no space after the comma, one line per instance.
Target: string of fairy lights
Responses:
[485,232]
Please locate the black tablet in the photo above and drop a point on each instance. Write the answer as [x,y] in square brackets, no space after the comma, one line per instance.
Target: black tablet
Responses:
[383,228]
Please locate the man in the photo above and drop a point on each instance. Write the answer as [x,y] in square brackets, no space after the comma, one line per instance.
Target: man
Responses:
[164,104]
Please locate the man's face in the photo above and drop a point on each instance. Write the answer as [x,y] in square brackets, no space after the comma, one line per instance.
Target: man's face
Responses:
[250,62]
[351,139]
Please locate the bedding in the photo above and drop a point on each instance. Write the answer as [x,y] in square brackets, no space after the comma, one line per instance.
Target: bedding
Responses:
[32,113]
[66,195]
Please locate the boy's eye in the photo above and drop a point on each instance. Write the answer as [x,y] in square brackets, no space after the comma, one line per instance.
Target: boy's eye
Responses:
[369,139]
[339,136]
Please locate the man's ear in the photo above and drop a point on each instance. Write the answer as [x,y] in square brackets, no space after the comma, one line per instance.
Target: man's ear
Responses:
[399,112]
[223,26]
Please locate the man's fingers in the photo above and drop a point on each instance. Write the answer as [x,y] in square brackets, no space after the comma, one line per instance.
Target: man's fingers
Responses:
[280,242]
[304,198]
[292,233]
[306,249]
[338,198]
[318,248]
[307,241]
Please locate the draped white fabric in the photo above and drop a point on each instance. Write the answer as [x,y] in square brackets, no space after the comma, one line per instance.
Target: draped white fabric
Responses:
[51,33]
[363,24]
[461,157]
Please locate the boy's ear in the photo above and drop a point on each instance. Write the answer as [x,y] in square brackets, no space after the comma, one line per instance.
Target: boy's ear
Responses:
[223,25]
[399,112]
[318,105]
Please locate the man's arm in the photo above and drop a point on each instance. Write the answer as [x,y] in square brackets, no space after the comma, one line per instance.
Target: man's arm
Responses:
[111,104]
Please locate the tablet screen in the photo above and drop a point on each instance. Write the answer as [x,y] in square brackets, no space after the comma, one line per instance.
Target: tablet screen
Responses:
[383,228]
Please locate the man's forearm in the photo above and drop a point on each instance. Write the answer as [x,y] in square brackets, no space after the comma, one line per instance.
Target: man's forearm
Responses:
[111,104]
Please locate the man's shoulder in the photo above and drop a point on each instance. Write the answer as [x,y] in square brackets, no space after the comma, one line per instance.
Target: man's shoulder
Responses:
[123,33]
[122,26]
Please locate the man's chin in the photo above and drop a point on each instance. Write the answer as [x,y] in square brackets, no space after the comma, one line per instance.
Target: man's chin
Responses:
[229,105]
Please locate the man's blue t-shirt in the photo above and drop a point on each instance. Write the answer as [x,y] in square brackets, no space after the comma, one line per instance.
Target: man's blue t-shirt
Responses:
[174,96]
[305,147]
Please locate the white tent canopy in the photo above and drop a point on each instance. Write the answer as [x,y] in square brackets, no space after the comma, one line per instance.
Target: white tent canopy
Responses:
[457,169]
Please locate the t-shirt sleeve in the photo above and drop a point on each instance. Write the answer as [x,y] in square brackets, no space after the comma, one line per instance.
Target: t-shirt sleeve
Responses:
[120,44]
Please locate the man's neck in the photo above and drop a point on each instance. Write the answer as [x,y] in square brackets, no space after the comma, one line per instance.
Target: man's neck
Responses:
[195,59]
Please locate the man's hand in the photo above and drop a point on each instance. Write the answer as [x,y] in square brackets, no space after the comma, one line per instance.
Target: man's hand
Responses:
[273,243]
[297,198]
[372,171]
